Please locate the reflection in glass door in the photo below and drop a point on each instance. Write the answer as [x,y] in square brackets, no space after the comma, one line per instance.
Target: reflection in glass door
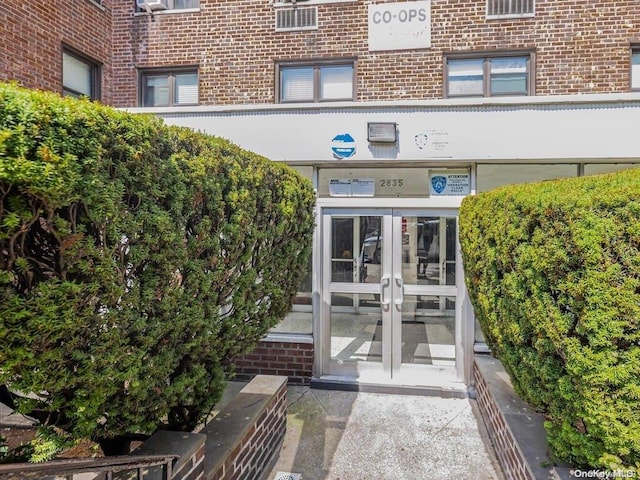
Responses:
[426,321]
[389,294]
[353,282]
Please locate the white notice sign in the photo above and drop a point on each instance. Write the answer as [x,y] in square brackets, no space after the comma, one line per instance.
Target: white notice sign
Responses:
[400,26]
[352,187]
[340,187]
[363,187]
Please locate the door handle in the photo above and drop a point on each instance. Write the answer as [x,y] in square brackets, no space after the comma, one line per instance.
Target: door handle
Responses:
[385,282]
[400,284]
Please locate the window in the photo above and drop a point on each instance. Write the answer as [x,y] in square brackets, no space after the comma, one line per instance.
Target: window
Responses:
[80,76]
[510,8]
[173,4]
[635,69]
[183,4]
[488,76]
[173,88]
[316,83]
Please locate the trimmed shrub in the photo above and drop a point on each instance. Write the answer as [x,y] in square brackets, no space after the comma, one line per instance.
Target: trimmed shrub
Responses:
[137,261]
[553,273]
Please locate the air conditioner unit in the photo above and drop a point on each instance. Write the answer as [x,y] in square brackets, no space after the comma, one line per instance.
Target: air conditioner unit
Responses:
[152,5]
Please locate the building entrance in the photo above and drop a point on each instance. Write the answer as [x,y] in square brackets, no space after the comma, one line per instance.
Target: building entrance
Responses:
[390,309]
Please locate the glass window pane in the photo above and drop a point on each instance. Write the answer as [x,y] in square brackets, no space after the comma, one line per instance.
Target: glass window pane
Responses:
[156,91]
[635,70]
[356,249]
[186,3]
[76,75]
[596,168]
[356,334]
[296,84]
[336,82]
[492,176]
[429,250]
[465,77]
[428,330]
[509,76]
[186,89]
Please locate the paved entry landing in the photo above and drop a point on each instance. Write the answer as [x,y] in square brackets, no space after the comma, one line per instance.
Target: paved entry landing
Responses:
[337,435]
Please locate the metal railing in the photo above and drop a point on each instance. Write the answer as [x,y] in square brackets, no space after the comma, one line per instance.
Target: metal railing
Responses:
[134,467]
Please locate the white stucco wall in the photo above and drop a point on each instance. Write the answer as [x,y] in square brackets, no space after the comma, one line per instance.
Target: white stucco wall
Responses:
[534,129]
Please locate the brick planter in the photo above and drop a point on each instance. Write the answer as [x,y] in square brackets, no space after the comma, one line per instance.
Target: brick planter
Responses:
[516,430]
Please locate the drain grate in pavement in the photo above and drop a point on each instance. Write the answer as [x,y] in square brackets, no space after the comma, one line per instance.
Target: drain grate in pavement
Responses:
[287,476]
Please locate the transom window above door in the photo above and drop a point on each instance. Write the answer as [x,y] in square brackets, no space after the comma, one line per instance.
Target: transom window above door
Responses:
[488,76]
[319,82]
[169,88]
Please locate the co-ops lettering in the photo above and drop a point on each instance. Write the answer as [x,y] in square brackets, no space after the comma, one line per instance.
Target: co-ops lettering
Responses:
[402,16]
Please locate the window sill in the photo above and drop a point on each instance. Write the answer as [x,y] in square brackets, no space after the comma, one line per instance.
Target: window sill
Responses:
[288,338]
[512,16]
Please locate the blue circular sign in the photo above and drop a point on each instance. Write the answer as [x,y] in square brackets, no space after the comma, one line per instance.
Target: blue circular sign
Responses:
[343,146]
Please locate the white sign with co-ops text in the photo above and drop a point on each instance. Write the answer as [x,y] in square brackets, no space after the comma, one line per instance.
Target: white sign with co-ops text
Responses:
[400,26]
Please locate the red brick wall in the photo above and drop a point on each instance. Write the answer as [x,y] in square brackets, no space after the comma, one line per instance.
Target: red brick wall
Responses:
[34,31]
[513,465]
[292,360]
[245,444]
[581,47]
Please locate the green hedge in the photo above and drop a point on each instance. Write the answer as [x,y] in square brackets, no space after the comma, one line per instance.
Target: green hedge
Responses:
[137,261]
[553,272]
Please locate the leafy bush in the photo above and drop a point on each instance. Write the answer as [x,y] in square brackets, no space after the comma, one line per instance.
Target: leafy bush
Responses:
[137,261]
[4,449]
[553,272]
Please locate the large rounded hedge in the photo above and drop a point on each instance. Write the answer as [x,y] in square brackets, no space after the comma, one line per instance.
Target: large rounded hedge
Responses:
[553,272]
[137,260]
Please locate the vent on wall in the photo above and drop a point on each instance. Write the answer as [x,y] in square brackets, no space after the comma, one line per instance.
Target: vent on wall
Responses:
[510,8]
[297,18]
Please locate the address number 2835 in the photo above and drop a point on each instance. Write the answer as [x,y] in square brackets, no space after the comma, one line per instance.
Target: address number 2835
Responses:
[391,182]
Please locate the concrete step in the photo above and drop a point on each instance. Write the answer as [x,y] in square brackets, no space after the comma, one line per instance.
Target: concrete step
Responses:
[10,418]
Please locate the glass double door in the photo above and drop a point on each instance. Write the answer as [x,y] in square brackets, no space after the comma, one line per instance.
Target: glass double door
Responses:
[389,295]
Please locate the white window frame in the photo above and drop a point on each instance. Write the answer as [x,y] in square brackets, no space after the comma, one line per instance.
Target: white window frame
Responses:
[634,69]
[317,68]
[486,73]
[513,9]
[171,77]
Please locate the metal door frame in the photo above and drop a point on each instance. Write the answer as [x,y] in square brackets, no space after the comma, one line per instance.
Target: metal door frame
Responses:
[391,323]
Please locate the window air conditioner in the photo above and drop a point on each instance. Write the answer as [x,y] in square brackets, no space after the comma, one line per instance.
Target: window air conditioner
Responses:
[152,5]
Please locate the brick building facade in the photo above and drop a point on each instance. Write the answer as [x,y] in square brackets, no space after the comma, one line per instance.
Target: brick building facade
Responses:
[394,109]
[35,35]
[577,47]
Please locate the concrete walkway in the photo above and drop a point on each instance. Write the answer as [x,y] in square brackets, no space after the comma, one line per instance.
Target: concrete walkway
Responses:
[336,435]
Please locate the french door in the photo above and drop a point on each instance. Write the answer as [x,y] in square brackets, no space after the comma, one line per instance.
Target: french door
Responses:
[389,295]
